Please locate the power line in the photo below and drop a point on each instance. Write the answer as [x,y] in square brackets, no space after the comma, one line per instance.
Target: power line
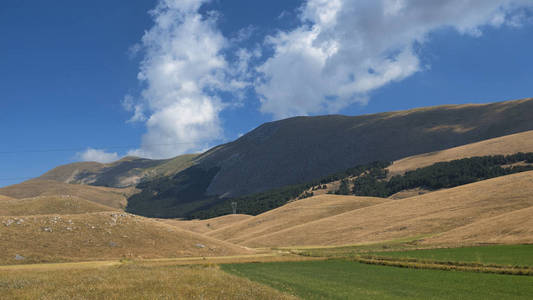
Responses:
[15,178]
[85,148]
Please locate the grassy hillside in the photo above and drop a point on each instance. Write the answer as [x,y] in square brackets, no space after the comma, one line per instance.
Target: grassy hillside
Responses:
[205,226]
[100,236]
[112,197]
[292,214]
[424,215]
[44,205]
[510,144]
[438,176]
[302,149]
[299,150]
[510,228]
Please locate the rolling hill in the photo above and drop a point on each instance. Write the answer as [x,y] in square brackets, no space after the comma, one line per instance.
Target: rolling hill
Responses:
[427,215]
[5,198]
[292,214]
[44,205]
[111,197]
[515,227]
[100,236]
[301,149]
[509,144]
[207,225]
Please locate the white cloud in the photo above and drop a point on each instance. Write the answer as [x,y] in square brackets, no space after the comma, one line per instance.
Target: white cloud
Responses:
[97,155]
[345,49]
[342,51]
[183,70]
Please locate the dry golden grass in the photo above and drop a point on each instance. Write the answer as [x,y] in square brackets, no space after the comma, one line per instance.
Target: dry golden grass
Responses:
[5,198]
[409,193]
[510,144]
[133,281]
[512,228]
[100,236]
[427,214]
[112,197]
[45,205]
[292,214]
[204,226]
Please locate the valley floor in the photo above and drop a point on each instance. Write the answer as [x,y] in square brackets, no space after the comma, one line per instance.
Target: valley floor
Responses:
[278,275]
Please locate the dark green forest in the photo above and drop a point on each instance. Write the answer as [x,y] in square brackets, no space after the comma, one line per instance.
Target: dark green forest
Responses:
[441,175]
[255,204]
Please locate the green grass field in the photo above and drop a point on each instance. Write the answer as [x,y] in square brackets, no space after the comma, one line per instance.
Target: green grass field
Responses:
[341,279]
[513,255]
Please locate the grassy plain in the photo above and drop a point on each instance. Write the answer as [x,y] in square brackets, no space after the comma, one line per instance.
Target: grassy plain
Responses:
[340,279]
[132,281]
[512,255]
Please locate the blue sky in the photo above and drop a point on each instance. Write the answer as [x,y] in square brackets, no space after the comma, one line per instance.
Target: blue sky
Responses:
[70,87]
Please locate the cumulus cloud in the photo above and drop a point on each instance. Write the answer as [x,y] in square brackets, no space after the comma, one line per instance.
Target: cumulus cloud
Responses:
[345,49]
[341,52]
[97,155]
[183,71]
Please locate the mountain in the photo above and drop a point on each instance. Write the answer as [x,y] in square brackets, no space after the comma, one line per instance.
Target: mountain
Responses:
[123,173]
[298,150]
[301,149]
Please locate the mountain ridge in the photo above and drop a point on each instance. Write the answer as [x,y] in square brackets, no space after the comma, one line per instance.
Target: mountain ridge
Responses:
[301,149]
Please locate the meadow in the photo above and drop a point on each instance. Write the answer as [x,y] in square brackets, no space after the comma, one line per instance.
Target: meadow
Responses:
[342,279]
[510,255]
[131,281]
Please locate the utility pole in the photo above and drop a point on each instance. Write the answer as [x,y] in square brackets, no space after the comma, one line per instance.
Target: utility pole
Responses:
[234,207]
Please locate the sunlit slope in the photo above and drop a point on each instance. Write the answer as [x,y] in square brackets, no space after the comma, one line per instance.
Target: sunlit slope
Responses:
[510,144]
[511,228]
[100,236]
[125,172]
[44,205]
[112,197]
[5,198]
[292,214]
[427,214]
[204,226]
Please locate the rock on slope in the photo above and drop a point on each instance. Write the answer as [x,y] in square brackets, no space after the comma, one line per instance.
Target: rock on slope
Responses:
[100,236]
